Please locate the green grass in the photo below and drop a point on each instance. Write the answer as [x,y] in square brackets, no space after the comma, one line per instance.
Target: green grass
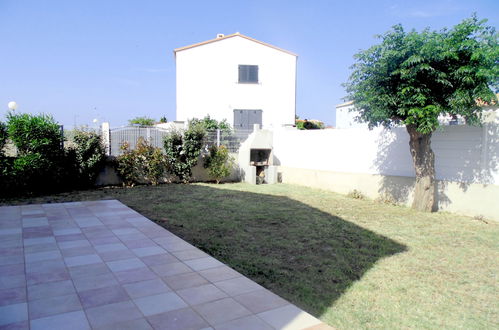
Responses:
[352,263]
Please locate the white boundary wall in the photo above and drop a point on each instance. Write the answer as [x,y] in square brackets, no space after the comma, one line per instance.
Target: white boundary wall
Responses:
[378,163]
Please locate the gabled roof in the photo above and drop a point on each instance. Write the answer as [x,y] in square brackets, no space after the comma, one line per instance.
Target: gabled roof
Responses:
[237,34]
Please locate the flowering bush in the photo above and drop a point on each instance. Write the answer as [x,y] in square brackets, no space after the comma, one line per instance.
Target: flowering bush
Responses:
[183,150]
[144,164]
[218,162]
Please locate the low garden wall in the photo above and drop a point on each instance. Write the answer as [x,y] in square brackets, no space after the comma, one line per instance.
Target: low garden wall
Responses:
[109,176]
[476,200]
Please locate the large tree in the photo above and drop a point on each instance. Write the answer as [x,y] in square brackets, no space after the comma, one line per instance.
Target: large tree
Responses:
[414,78]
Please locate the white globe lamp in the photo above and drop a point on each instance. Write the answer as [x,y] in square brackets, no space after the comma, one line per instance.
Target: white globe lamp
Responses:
[12,105]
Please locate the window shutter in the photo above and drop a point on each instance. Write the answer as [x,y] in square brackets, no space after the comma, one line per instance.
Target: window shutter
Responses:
[248,73]
[253,73]
[241,73]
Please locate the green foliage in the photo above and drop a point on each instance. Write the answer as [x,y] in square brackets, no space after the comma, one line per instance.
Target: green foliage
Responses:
[218,162]
[356,194]
[308,124]
[153,164]
[145,163]
[210,124]
[30,165]
[413,77]
[40,165]
[35,134]
[142,121]
[33,173]
[127,166]
[182,151]
[89,155]
[173,144]
[163,119]
[3,137]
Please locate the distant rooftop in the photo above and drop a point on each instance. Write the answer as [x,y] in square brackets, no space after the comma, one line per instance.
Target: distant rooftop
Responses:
[344,104]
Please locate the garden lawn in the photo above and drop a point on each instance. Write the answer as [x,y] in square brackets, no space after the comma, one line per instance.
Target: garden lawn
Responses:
[352,263]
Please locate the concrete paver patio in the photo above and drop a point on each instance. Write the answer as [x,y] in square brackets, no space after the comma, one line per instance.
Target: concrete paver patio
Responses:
[101,265]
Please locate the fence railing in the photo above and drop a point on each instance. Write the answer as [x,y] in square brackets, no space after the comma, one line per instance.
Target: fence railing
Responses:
[116,137]
[131,134]
[230,139]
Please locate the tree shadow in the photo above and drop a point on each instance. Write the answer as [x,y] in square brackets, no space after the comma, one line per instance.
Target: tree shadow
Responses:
[463,154]
[306,255]
[394,164]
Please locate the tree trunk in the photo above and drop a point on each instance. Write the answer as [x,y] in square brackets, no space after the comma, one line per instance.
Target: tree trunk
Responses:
[424,164]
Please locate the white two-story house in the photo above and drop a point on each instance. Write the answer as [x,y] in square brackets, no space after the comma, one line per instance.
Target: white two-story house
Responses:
[236,78]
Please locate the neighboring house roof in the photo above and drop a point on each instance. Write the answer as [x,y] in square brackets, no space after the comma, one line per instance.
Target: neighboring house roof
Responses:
[344,104]
[485,104]
[237,34]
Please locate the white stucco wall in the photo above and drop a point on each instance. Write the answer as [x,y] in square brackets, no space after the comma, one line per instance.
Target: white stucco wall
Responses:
[207,81]
[379,163]
[345,118]
[462,153]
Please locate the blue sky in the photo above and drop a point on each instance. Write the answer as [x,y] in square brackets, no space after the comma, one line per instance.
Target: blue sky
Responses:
[113,60]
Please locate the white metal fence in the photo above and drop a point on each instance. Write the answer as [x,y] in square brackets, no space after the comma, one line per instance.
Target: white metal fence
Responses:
[131,134]
[116,137]
[230,139]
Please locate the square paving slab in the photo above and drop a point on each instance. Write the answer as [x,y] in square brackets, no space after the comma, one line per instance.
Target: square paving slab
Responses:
[101,265]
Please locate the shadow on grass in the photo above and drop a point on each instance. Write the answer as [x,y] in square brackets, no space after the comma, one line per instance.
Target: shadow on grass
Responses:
[299,252]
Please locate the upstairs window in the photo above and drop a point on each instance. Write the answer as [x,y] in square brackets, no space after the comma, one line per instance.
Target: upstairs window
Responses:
[248,74]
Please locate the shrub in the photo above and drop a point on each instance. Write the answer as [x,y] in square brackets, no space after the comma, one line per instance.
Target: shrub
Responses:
[211,124]
[356,194]
[5,177]
[182,151]
[32,173]
[31,165]
[3,137]
[145,163]
[152,161]
[40,163]
[127,166]
[35,134]
[309,124]
[89,155]
[218,162]
[157,166]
